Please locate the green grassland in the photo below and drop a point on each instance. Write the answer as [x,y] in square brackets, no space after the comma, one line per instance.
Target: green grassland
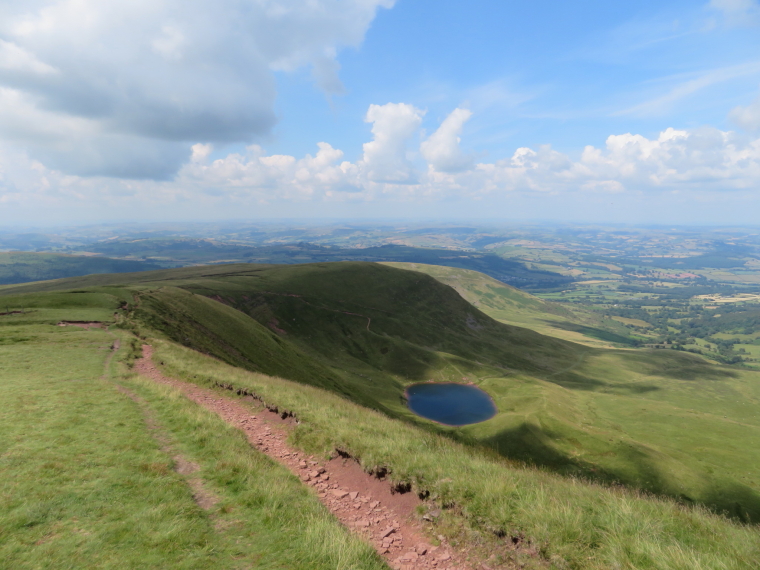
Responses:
[641,403]
[86,483]
[21,267]
[515,307]
[366,331]
[571,522]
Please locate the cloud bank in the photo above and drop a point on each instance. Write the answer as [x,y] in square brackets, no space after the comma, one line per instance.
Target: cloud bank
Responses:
[393,168]
[703,158]
[114,88]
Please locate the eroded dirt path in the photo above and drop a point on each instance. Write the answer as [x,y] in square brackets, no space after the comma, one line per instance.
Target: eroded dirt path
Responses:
[360,501]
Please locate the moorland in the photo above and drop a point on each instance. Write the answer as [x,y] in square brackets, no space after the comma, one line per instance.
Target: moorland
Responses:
[592,442]
[623,371]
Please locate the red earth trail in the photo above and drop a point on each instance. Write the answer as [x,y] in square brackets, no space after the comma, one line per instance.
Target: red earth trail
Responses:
[363,503]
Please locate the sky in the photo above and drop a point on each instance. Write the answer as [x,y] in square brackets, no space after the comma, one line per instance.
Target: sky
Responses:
[585,111]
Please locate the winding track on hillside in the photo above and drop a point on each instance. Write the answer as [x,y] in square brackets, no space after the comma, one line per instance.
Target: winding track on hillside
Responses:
[366,505]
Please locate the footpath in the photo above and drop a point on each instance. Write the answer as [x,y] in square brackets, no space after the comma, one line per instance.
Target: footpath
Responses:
[363,503]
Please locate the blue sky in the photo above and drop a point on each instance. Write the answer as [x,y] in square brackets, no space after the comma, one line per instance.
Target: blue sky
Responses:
[569,111]
[543,72]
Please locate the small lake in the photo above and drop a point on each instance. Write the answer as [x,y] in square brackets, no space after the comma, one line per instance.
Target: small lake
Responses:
[450,404]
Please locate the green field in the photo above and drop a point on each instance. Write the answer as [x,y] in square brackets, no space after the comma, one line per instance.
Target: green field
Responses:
[515,307]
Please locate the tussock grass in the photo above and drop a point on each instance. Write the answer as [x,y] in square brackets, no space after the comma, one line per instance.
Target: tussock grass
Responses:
[574,523]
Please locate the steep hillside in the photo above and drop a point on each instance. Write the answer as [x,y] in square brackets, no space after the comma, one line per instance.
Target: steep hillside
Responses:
[516,307]
[103,467]
[663,421]
[367,330]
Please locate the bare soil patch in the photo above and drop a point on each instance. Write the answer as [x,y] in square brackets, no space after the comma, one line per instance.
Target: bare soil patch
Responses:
[366,504]
[82,324]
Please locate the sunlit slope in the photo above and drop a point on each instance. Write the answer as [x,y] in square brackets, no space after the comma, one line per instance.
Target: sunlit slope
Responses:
[515,307]
[665,421]
[89,455]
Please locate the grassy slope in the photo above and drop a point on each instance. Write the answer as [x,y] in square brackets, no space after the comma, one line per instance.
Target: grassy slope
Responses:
[84,483]
[21,267]
[602,414]
[575,524]
[515,307]
[672,419]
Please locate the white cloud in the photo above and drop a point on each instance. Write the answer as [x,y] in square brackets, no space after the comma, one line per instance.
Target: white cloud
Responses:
[695,161]
[200,152]
[442,150]
[686,85]
[16,59]
[145,78]
[270,177]
[385,157]
[747,117]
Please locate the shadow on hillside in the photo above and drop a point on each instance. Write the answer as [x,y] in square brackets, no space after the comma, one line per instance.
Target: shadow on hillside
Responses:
[639,469]
[576,381]
[592,332]
[674,364]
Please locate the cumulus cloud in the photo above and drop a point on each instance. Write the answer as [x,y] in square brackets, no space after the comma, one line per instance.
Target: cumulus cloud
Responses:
[697,159]
[133,84]
[442,150]
[385,157]
[271,177]
[692,161]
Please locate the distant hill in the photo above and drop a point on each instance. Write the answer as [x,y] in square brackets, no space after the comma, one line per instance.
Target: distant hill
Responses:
[173,252]
[22,267]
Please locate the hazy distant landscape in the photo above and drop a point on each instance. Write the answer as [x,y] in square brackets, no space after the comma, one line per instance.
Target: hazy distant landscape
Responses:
[690,289]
